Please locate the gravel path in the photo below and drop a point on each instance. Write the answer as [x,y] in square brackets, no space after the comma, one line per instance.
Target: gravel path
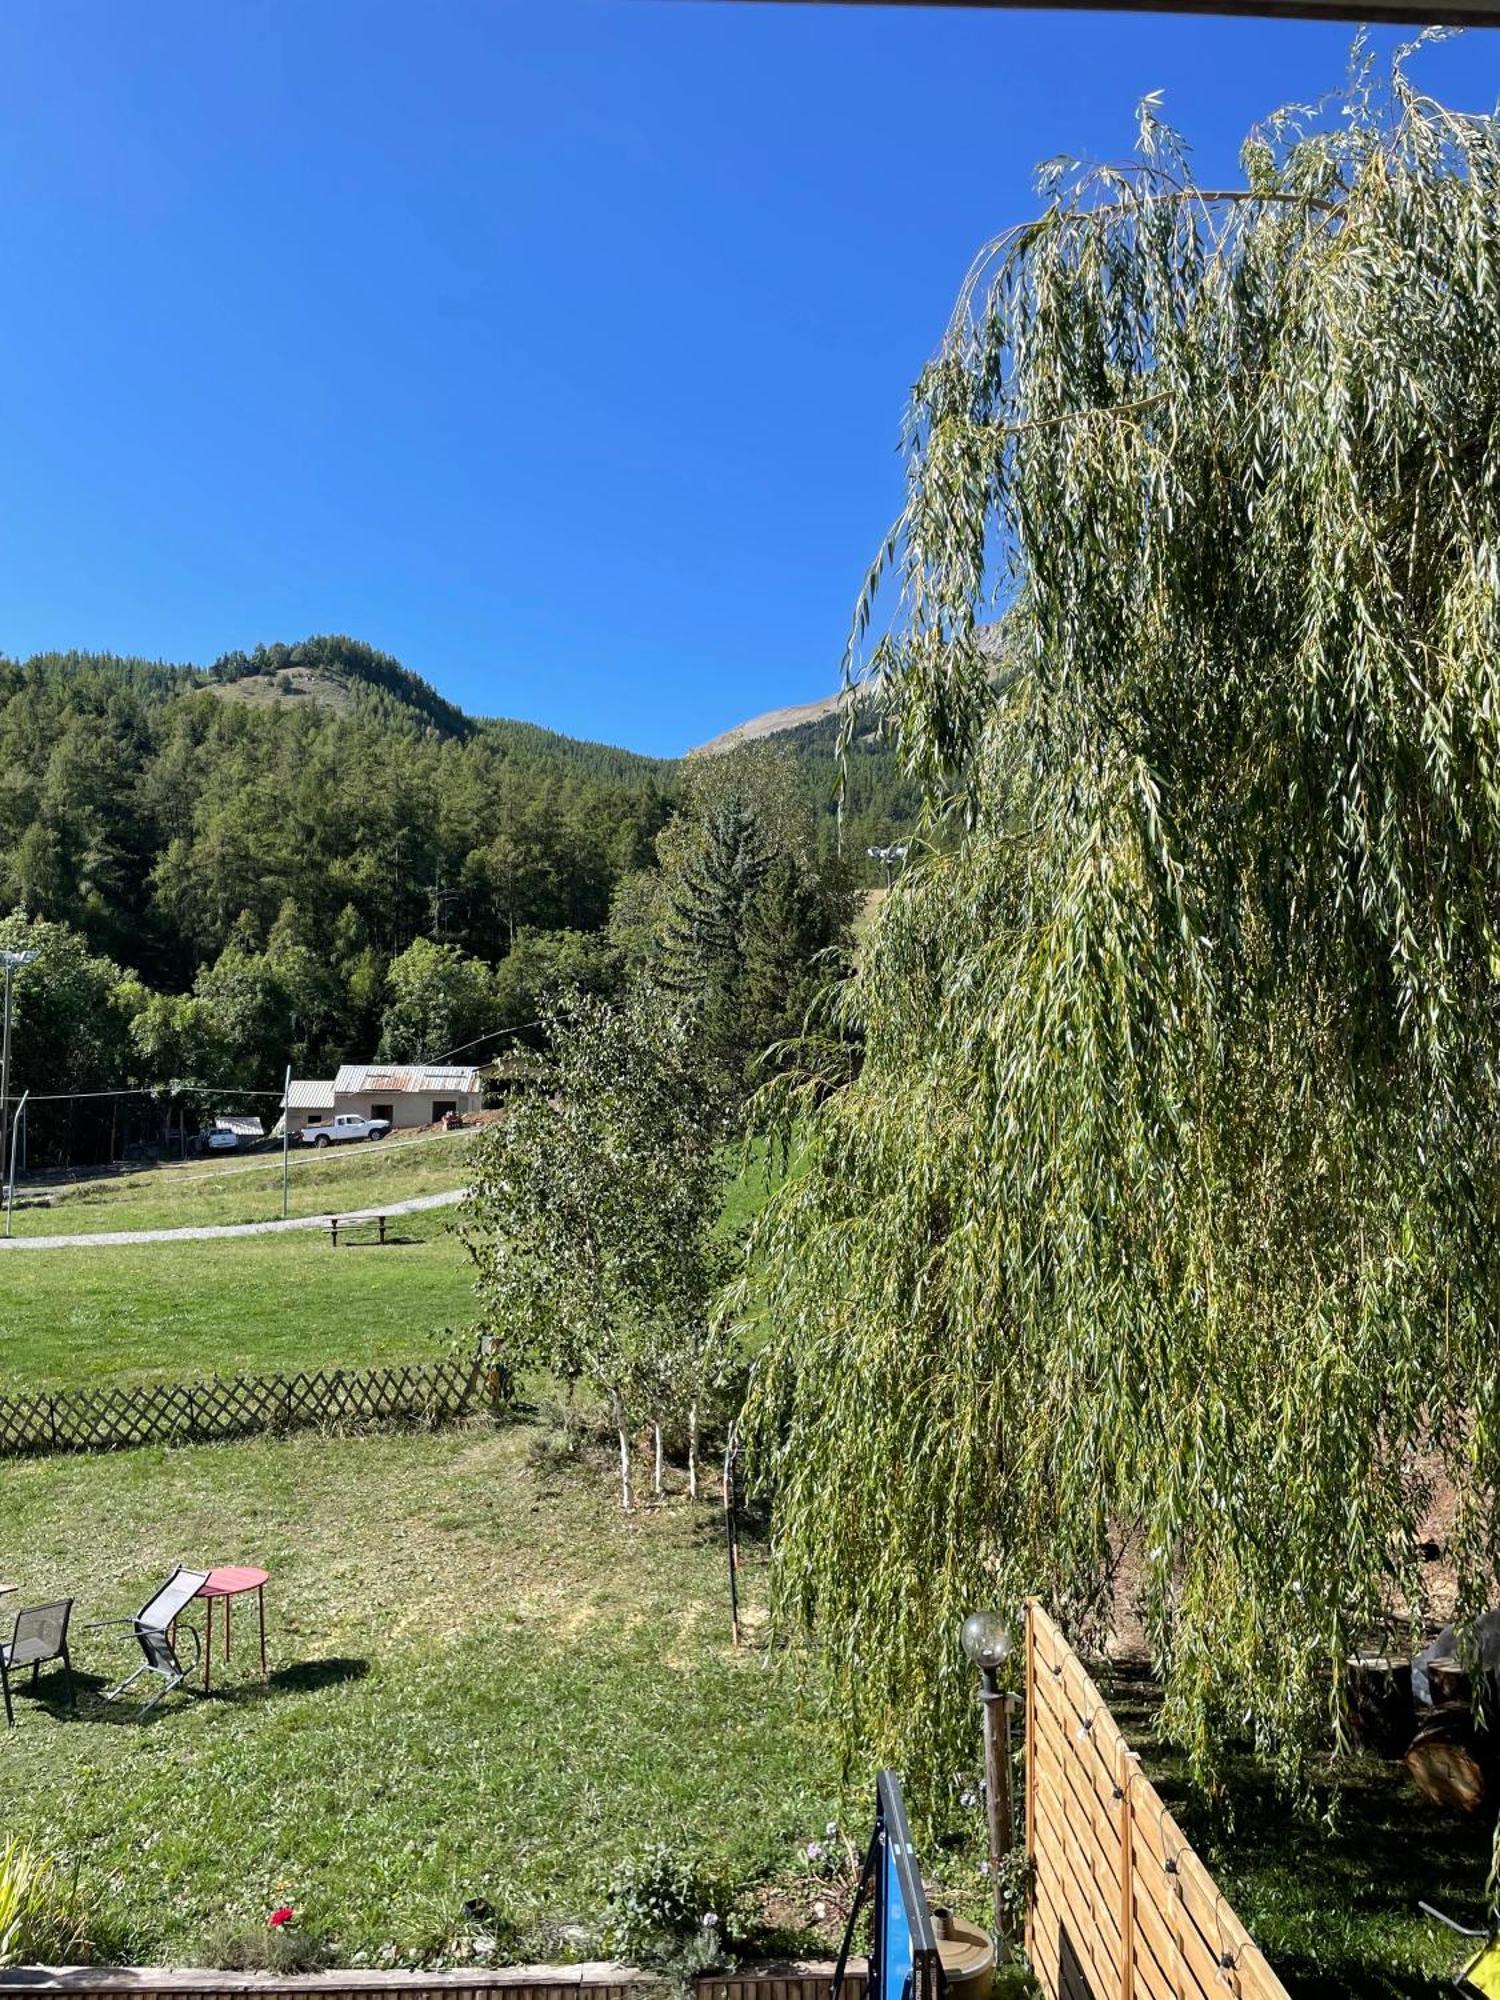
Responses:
[117,1237]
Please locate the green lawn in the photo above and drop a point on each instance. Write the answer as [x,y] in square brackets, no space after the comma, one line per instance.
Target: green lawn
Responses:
[174,1311]
[233,1189]
[487,1683]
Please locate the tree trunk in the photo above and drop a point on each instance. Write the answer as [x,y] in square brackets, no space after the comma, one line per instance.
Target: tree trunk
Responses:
[627,1496]
[1450,1761]
[693,1452]
[656,1428]
[1381,1714]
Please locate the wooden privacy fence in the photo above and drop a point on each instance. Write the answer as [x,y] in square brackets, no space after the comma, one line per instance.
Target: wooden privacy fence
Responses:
[1121,1908]
[234,1406]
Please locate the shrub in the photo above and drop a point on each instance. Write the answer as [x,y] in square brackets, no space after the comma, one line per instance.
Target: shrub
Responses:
[666,1914]
[284,1951]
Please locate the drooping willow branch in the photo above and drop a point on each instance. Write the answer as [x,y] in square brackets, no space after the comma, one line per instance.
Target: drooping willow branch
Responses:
[1164,1196]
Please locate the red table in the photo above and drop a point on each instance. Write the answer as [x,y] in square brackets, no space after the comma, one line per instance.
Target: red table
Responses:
[229,1581]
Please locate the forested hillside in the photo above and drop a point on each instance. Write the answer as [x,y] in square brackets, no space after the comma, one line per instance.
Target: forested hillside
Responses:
[306,854]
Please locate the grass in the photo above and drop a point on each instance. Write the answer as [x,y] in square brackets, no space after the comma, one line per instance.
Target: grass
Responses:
[202,1192]
[490,1687]
[175,1311]
[754,1178]
[159,1312]
[487,1684]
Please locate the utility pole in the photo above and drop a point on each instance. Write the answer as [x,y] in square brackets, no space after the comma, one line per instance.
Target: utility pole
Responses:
[10,1185]
[10,960]
[286,1139]
[439,898]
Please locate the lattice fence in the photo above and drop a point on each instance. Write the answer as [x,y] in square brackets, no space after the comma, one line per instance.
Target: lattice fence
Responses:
[1121,1905]
[232,1406]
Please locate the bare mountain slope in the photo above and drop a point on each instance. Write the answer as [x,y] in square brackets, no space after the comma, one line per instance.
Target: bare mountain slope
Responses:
[776,722]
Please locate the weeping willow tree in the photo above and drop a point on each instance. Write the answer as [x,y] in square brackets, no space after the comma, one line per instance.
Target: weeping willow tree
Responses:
[1162,1214]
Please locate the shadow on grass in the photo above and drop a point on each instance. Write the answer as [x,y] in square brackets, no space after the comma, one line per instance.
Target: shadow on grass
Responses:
[302,1677]
[1330,1895]
[1307,1979]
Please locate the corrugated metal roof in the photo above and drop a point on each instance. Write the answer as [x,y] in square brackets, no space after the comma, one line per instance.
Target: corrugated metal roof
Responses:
[306,1096]
[359,1079]
[242,1128]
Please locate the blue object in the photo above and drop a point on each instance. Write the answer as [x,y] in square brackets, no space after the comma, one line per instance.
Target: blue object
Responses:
[905,1963]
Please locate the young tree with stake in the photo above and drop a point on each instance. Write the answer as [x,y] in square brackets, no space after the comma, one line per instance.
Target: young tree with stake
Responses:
[592,1218]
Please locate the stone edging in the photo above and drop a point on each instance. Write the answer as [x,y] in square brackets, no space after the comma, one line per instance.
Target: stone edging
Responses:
[802,1979]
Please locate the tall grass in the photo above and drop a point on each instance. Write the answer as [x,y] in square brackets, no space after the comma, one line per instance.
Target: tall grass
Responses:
[41,1919]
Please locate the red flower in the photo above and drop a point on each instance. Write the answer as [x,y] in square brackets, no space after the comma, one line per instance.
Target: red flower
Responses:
[279,1917]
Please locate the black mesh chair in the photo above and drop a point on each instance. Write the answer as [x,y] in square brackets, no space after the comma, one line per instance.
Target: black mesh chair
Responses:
[41,1634]
[155,1629]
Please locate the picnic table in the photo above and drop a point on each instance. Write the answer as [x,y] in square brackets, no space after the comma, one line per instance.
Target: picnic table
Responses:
[337,1222]
[222,1586]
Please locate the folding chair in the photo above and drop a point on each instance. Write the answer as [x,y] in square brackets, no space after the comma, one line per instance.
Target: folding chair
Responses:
[41,1634]
[155,1628]
[1479,1975]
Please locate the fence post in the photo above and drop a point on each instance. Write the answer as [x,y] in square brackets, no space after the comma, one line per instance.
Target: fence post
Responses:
[1127,1871]
[1030,1772]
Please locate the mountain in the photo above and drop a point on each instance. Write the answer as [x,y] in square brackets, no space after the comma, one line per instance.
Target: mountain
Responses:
[341,674]
[170,813]
[271,859]
[776,722]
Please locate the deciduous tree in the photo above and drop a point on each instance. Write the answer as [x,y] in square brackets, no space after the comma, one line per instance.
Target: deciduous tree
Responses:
[593,1216]
[1164,1204]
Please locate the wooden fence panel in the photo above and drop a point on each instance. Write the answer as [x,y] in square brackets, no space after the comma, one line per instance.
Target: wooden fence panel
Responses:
[1121,1907]
[205,1412]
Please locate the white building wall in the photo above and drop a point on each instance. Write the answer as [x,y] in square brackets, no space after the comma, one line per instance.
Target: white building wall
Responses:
[407,1109]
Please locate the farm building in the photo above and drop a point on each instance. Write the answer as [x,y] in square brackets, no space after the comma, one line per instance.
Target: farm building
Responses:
[407,1096]
[415,1095]
[308,1103]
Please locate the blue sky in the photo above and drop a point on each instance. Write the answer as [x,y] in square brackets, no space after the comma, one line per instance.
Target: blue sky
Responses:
[558,348]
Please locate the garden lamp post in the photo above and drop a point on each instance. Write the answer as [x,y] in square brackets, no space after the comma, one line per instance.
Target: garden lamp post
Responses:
[986,1639]
[9,960]
[888,857]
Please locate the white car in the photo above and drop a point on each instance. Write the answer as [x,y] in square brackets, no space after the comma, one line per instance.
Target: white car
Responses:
[345,1126]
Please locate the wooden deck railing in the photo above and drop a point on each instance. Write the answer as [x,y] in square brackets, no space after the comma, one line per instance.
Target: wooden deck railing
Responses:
[1121,1906]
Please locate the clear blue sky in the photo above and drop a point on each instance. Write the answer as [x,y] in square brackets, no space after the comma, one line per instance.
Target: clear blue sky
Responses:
[558,348]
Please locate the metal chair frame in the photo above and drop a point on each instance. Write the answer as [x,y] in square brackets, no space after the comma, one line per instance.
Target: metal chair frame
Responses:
[155,1628]
[22,1651]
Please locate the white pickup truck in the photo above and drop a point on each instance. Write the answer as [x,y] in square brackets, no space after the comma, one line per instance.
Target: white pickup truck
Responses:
[345,1126]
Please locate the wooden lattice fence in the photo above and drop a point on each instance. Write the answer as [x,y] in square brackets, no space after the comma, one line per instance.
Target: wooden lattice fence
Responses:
[234,1406]
[1120,1904]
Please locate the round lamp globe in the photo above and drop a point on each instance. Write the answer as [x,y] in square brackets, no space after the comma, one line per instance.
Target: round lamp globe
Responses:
[986,1639]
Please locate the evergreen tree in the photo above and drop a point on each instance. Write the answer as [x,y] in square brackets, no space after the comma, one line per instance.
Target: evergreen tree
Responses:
[708,900]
